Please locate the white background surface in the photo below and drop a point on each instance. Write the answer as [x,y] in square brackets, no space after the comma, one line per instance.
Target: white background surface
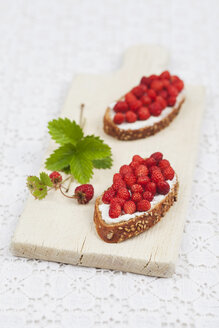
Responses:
[43,44]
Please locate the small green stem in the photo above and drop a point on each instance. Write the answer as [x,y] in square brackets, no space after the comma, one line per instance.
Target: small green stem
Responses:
[82,120]
[67,189]
[60,188]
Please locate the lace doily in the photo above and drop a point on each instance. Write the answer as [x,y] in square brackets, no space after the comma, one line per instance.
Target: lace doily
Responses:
[43,44]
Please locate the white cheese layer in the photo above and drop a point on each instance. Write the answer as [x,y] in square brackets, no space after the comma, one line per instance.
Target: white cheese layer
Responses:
[104,208]
[151,120]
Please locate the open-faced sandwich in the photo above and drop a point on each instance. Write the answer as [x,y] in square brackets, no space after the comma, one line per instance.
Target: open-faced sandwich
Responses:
[140,195]
[146,109]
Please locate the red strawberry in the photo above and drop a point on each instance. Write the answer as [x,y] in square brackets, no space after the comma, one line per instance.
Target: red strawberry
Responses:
[162,102]
[152,94]
[156,85]
[117,177]
[179,85]
[156,176]
[143,205]
[118,200]
[134,164]
[145,80]
[118,184]
[168,173]
[121,106]
[135,105]
[119,118]
[130,117]
[143,180]
[129,97]
[123,193]
[175,78]
[163,164]
[136,197]
[146,100]
[55,177]
[172,91]
[163,187]
[165,75]
[138,91]
[171,101]
[84,193]
[125,169]
[115,210]
[143,113]
[151,186]
[136,188]
[155,109]
[154,168]
[108,195]
[163,93]
[130,179]
[157,156]
[153,77]
[129,207]
[137,158]
[141,170]
[148,196]
[150,162]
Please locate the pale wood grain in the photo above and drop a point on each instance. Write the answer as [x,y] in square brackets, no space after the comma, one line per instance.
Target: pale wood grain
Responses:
[57,229]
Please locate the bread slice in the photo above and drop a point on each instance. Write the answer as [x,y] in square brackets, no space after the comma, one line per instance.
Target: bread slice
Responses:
[117,232]
[133,134]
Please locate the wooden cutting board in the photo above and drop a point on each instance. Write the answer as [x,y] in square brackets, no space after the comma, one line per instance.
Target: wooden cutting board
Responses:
[58,229]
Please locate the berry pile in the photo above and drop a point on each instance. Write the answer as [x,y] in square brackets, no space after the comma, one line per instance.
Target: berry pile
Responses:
[136,184]
[149,98]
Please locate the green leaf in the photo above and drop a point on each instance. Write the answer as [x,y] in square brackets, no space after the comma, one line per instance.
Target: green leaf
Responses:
[45,179]
[40,192]
[93,148]
[32,182]
[60,158]
[64,131]
[104,163]
[66,170]
[81,168]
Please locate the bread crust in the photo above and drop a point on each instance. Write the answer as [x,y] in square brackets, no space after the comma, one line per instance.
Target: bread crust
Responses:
[114,130]
[118,232]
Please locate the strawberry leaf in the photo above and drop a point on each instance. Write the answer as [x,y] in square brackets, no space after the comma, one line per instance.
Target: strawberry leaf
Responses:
[93,148]
[64,131]
[45,179]
[60,158]
[104,163]
[81,168]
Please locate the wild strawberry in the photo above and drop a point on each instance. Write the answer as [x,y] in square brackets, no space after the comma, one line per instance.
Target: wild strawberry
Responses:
[118,200]
[161,101]
[123,193]
[155,109]
[168,173]
[117,177]
[130,117]
[119,118]
[137,158]
[153,77]
[154,168]
[145,80]
[151,186]
[165,75]
[152,94]
[125,169]
[130,179]
[172,91]
[129,98]
[143,113]
[121,106]
[108,195]
[134,164]
[163,94]
[145,100]
[156,85]
[141,170]
[150,162]
[163,187]
[175,78]
[143,180]
[143,205]
[156,176]
[179,85]
[55,177]
[171,101]
[157,156]
[135,105]
[115,210]
[164,163]
[84,193]
[136,197]
[148,196]
[136,188]
[129,207]
[118,184]
[138,91]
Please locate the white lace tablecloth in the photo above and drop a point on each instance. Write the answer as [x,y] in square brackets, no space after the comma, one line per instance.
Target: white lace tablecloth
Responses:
[43,44]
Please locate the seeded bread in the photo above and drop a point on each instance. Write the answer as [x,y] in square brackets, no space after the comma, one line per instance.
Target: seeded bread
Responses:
[117,232]
[114,130]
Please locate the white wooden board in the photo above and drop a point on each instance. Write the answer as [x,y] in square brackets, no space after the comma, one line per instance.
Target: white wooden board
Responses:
[58,229]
